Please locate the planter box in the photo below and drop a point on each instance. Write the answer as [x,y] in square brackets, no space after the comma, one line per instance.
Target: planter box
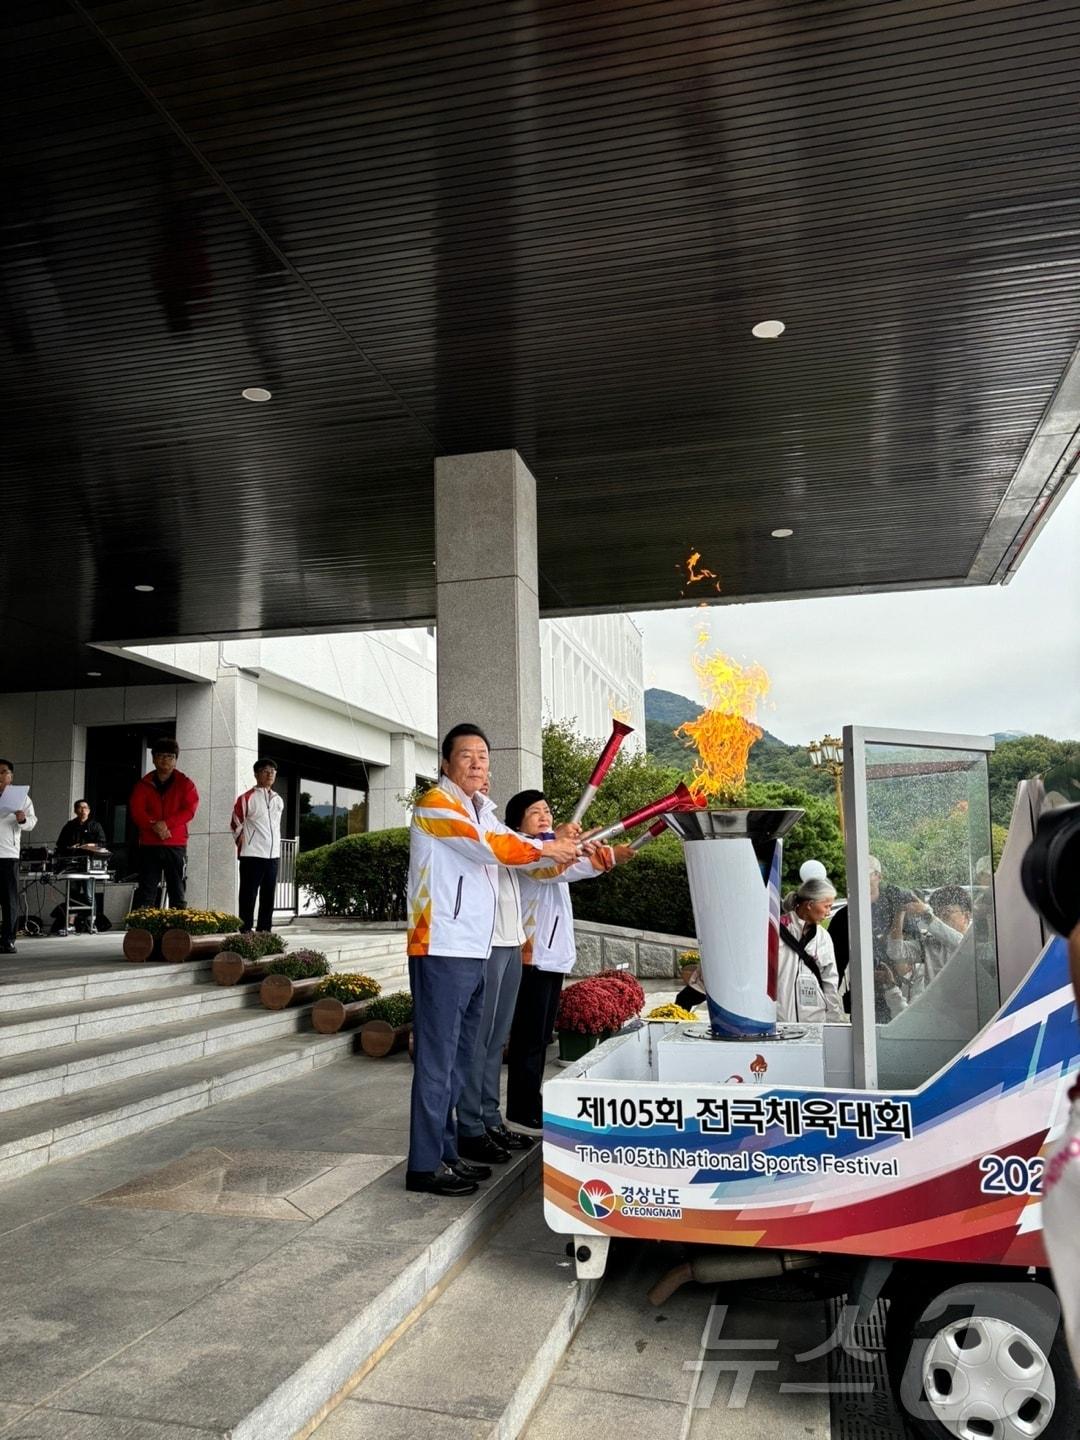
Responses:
[278,991]
[328,1016]
[230,969]
[572,1045]
[379,1037]
[141,945]
[179,945]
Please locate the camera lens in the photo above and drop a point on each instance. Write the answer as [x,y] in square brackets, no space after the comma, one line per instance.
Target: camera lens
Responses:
[1050,869]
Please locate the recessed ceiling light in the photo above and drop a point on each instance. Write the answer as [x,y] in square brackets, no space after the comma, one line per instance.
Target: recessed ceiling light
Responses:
[260,394]
[94,674]
[145,589]
[768,329]
[782,534]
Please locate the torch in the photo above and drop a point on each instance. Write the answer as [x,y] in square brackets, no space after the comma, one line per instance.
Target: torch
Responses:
[657,828]
[619,732]
[680,798]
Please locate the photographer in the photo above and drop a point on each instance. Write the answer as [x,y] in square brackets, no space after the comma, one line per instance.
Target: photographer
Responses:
[1050,872]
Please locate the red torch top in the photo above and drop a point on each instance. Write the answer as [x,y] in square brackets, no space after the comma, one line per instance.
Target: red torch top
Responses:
[680,796]
[619,732]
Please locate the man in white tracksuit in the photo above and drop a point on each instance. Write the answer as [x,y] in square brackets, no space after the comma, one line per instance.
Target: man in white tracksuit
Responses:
[256,828]
[455,848]
[14,824]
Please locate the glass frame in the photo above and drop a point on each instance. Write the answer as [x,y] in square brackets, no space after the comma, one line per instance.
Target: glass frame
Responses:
[857,857]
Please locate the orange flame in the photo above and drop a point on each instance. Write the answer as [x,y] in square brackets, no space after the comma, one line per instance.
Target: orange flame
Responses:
[724,732]
[618,712]
[693,575]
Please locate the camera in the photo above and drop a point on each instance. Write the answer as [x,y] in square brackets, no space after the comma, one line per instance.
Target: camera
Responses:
[1050,869]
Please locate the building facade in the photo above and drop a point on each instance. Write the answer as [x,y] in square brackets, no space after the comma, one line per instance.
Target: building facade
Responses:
[351,720]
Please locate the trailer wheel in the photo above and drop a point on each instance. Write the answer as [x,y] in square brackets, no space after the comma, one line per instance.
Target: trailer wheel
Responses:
[983,1361]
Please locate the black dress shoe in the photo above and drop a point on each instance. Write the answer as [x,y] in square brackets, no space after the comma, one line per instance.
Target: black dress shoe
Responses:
[440,1182]
[468,1171]
[510,1139]
[7,950]
[528,1122]
[482,1148]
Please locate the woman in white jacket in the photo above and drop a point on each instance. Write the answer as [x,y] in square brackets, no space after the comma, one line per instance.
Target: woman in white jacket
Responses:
[547,954]
[808,982]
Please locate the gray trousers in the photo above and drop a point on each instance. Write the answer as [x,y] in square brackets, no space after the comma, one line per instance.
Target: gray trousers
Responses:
[478,1107]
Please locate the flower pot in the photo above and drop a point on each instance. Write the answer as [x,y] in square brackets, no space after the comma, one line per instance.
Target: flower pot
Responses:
[278,991]
[140,945]
[179,945]
[328,1015]
[379,1037]
[573,1045]
[230,969]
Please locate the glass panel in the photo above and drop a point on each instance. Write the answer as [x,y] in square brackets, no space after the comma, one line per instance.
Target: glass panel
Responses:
[350,810]
[935,953]
[316,814]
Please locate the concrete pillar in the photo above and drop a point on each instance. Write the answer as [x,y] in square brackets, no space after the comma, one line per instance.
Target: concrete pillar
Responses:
[387,783]
[218,732]
[488,616]
[38,734]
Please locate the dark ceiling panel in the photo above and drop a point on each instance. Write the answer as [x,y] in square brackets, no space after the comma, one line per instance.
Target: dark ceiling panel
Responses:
[439,227]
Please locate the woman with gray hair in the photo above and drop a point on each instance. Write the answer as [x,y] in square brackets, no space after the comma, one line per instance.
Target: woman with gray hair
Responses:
[808,983]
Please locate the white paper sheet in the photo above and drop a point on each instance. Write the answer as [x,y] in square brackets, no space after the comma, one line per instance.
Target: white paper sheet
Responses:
[12,798]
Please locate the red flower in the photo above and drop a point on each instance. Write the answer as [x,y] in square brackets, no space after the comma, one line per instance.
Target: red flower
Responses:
[591,1007]
[631,997]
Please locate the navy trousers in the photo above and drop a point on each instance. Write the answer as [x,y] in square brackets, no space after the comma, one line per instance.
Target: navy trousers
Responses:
[478,1105]
[448,997]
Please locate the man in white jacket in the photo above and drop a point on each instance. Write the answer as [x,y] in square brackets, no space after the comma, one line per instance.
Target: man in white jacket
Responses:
[455,848]
[13,825]
[256,828]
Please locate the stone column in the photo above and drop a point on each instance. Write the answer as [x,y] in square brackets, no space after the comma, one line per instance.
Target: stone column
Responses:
[218,733]
[488,617]
[387,782]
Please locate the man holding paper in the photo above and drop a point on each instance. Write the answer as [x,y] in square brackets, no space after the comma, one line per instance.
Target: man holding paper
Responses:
[16,816]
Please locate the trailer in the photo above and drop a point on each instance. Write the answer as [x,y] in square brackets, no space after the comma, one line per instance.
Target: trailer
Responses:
[911,1144]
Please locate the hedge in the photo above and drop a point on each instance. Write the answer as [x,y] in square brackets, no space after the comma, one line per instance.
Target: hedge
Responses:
[365,876]
[649,893]
[360,875]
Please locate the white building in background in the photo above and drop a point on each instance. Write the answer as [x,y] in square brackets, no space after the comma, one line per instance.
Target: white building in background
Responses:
[350,718]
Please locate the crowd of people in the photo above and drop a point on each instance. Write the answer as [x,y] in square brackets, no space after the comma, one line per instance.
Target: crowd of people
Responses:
[162,805]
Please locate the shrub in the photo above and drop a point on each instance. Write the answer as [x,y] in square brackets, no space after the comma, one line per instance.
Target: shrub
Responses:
[650,893]
[254,946]
[300,965]
[395,1009]
[360,875]
[591,1007]
[195,922]
[348,988]
[631,996]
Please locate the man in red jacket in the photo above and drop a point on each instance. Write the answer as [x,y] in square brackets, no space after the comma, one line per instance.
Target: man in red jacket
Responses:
[163,803]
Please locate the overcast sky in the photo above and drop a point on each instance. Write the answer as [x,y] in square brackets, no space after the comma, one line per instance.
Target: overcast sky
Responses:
[973,661]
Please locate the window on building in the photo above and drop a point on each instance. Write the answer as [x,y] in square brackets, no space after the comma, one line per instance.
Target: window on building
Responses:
[316,814]
[350,812]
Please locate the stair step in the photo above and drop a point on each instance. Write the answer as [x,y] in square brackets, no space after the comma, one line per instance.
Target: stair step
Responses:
[460,1364]
[38,1075]
[58,1129]
[47,1026]
[78,984]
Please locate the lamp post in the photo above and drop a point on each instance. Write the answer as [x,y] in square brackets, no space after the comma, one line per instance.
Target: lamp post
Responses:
[828,754]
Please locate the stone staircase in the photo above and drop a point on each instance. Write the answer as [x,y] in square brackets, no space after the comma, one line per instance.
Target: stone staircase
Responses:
[89,1056]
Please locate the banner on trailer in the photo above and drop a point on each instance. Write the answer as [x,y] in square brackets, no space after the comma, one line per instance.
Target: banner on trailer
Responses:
[952,1171]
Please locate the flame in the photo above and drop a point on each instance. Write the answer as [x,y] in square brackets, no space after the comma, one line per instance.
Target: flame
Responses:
[693,575]
[724,732]
[619,712]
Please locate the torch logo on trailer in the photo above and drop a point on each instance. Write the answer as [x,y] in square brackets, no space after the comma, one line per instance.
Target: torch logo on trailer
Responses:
[758,1066]
[598,1200]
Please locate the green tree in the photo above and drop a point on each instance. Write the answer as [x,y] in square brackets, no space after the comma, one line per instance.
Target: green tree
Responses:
[1021,759]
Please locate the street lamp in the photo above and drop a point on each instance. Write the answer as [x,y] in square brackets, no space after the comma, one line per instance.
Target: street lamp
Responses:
[828,754]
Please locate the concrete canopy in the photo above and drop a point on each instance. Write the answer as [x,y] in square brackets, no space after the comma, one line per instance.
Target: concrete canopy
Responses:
[550,227]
